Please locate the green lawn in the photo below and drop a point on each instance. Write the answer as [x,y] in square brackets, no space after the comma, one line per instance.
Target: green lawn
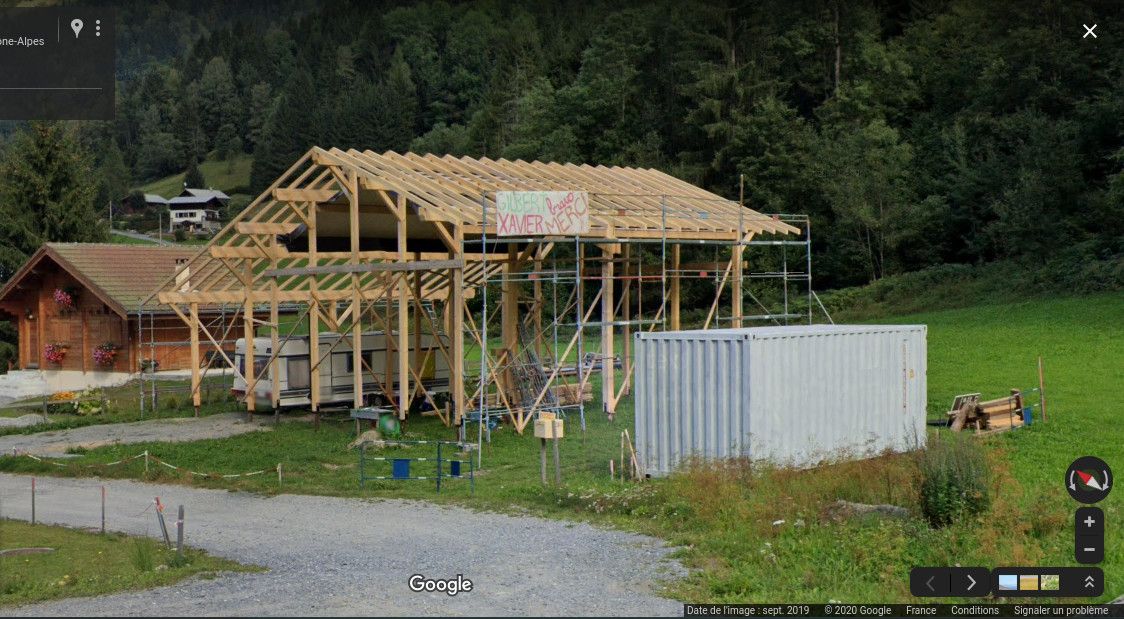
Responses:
[121,239]
[90,563]
[173,400]
[228,176]
[723,516]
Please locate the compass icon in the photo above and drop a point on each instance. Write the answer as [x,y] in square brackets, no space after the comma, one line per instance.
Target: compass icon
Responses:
[1088,479]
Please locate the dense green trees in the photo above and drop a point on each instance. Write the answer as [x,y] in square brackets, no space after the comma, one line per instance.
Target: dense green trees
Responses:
[47,193]
[914,133]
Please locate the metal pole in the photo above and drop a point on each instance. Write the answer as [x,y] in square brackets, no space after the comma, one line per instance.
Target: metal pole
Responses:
[557,458]
[179,533]
[808,256]
[579,263]
[32,500]
[103,510]
[439,467]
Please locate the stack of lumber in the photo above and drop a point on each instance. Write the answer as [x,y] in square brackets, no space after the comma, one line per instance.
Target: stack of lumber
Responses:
[998,415]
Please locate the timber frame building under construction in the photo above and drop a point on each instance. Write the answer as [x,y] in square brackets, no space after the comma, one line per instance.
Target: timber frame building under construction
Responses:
[351,242]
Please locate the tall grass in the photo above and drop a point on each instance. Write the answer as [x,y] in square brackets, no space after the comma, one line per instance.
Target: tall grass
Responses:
[954,476]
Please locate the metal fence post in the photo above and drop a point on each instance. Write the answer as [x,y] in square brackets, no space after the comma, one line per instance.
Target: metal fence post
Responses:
[103,510]
[32,500]
[179,533]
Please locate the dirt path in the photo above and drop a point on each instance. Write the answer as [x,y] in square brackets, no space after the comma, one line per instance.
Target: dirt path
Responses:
[334,556]
[179,429]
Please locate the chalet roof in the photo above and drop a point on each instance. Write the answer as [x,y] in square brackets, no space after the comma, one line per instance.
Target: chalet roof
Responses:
[204,194]
[121,275]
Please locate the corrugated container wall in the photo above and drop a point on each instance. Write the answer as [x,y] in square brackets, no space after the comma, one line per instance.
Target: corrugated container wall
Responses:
[795,396]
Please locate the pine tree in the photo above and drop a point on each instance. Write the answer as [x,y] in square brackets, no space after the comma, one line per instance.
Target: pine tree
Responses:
[193,178]
[47,193]
[295,128]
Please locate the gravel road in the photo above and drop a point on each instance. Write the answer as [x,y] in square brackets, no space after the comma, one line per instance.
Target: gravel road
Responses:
[335,556]
[175,429]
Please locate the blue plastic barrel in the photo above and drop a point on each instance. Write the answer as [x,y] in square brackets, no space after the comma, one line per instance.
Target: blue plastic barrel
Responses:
[1028,415]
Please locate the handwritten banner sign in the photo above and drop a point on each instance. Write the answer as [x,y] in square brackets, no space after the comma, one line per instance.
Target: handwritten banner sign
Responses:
[542,213]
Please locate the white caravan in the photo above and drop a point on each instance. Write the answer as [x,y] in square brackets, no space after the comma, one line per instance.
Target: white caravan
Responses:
[336,371]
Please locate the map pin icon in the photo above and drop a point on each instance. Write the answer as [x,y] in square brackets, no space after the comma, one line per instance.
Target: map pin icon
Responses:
[76,26]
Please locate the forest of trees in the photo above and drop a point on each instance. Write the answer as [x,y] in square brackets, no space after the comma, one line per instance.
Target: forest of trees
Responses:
[915,133]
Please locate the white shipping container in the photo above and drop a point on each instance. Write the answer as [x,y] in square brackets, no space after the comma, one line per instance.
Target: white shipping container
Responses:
[795,396]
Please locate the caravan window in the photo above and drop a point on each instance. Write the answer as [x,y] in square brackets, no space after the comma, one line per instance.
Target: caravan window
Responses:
[299,374]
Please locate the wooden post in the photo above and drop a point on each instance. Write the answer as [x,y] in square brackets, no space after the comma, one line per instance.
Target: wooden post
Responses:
[403,317]
[608,310]
[195,378]
[313,321]
[1042,387]
[557,458]
[673,293]
[356,297]
[418,356]
[456,299]
[542,470]
[626,306]
[85,340]
[248,333]
[274,341]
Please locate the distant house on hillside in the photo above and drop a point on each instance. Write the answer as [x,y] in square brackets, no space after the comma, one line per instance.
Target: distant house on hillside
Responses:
[71,299]
[197,210]
[137,202]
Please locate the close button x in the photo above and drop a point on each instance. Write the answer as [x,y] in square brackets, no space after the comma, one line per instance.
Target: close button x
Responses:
[1089,31]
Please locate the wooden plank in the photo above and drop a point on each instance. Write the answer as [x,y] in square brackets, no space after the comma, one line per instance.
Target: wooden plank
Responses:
[253,227]
[370,267]
[289,194]
[272,253]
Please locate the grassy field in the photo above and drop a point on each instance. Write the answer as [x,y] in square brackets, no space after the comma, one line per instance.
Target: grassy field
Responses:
[231,176]
[756,535]
[90,563]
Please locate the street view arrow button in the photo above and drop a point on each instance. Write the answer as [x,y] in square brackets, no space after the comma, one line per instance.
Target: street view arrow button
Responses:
[970,581]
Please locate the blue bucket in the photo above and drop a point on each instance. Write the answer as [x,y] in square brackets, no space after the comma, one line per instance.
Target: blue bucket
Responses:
[1028,415]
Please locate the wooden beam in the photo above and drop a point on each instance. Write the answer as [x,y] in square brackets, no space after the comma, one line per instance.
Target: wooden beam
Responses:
[286,194]
[626,303]
[251,252]
[369,267]
[248,355]
[193,324]
[455,299]
[256,227]
[403,317]
[356,297]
